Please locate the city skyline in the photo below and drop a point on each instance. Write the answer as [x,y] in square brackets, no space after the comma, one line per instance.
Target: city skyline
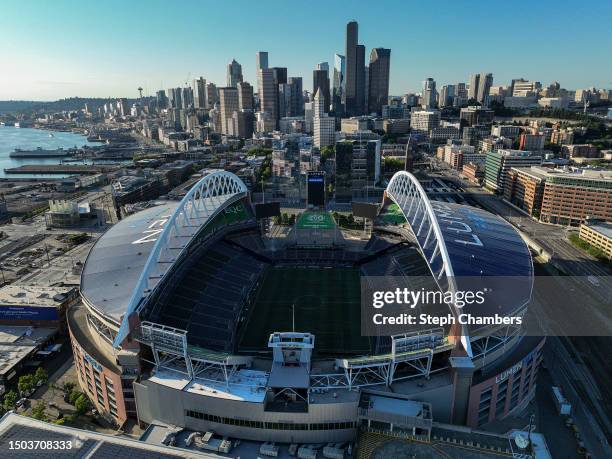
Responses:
[68,49]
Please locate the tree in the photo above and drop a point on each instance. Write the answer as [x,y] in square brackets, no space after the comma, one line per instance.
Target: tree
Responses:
[38,411]
[82,404]
[10,399]
[74,396]
[68,387]
[41,375]
[326,153]
[26,384]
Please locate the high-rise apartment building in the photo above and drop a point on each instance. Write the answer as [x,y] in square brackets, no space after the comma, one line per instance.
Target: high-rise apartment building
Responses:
[354,93]
[324,125]
[261,60]
[228,102]
[245,96]
[429,93]
[268,96]
[378,79]
[447,95]
[358,159]
[234,74]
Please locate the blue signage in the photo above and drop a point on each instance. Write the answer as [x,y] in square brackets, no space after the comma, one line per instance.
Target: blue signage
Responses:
[27,313]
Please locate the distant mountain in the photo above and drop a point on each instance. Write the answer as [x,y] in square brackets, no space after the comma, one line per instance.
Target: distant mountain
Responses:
[72,103]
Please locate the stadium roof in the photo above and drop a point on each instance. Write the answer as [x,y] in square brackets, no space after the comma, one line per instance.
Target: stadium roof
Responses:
[116,261]
[490,254]
[467,249]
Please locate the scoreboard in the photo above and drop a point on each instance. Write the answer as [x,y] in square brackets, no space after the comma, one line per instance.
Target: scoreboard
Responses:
[316,189]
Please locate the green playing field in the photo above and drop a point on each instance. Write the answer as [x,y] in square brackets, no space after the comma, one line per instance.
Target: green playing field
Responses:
[315,220]
[392,215]
[327,304]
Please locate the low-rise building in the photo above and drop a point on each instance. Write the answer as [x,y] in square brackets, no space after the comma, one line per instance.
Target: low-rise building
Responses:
[562,136]
[502,130]
[531,142]
[561,196]
[599,235]
[473,172]
[580,151]
[423,121]
[396,126]
[39,306]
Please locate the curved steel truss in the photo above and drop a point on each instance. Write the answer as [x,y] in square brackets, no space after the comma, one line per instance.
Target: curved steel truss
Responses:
[405,190]
[201,204]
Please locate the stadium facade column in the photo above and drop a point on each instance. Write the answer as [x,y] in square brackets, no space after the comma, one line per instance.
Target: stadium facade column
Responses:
[462,370]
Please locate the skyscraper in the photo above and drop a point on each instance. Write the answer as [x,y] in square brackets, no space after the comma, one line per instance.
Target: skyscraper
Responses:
[199,93]
[320,82]
[212,95]
[297,96]
[162,100]
[378,91]
[429,93]
[484,85]
[187,95]
[473,89]
[280,74]
[338,83]
[261,60]
[360,82]
[447,95]
[228,101]
[245,96]
[354,81]
[234,74]
[268,94]
[284,100]
[324,125]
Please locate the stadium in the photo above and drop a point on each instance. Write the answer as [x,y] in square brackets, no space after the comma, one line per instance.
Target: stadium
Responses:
[194,317]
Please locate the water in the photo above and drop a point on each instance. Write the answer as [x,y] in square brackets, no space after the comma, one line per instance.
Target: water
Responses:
[27,138]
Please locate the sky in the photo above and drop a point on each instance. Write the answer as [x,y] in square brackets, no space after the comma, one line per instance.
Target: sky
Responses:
[107,48]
